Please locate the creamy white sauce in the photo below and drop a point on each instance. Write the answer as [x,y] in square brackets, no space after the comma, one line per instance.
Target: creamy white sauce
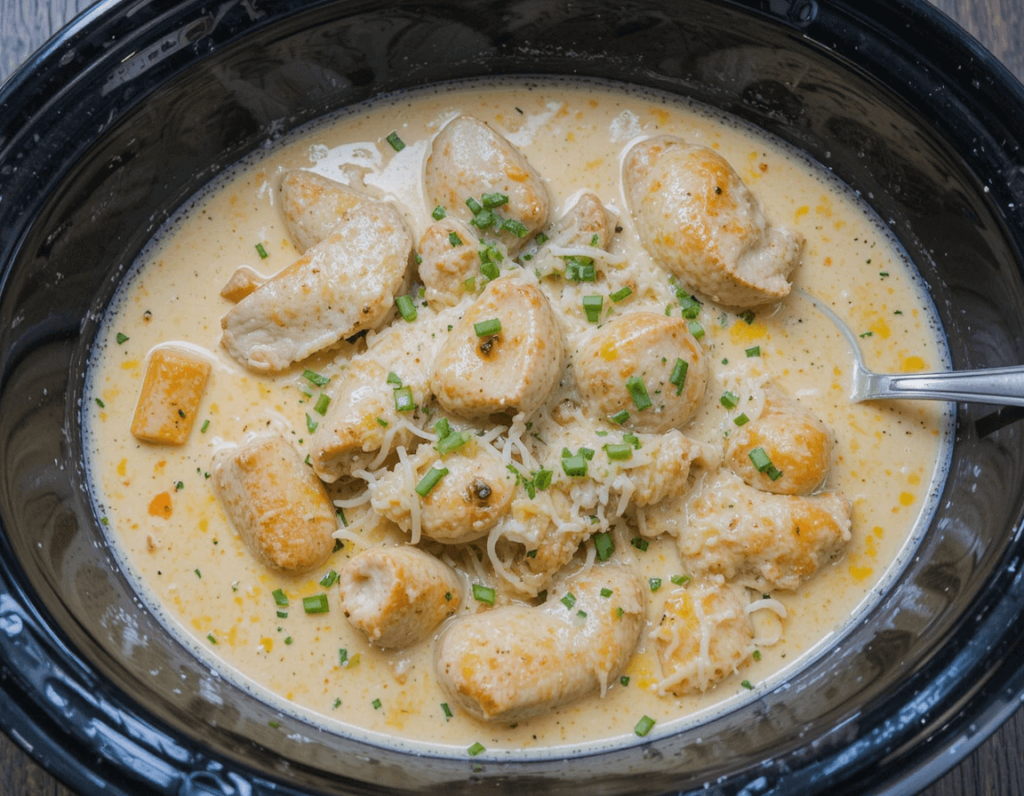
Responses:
[192,569]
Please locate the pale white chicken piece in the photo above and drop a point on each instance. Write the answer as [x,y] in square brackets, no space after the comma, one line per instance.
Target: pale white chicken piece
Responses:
[341,286]
[397,596]
[759,539]
[472,496]
[469,160]
[450,254]
[479,372]
[700,222]
[643,363]
[704,636]
[276,504]
[796,443]
[312,205]
[361,418]
[513,662]
[586,223]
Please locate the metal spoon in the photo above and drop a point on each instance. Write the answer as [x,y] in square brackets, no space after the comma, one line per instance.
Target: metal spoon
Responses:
[1002,386]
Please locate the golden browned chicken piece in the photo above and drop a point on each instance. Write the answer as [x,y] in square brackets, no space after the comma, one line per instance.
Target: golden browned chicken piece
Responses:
[504,355]
[397,595]
[515,661]
[312,206]
[342,285]
[704,636]
[795,442]
[759,539]
[645,364]
[469,161]
[276,504]
[169,400]
[700,222]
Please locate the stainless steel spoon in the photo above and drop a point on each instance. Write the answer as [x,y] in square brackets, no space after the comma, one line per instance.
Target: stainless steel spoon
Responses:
[1001,386]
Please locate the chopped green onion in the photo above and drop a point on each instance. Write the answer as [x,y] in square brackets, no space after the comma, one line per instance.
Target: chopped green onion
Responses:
[453,442]
[690,306]
[696,329]
[680,580]
[476,749]
[587,453]
[619,453]
[382,422]
[206,425]
[485,219]
[102,405]
[261,251]
[311,424]
[376,704]
[655,583]
[580,269]
[746,684]
[569,600]
[342,656]
[729,399]
[493,200]
[592,307]
[430,480]
[315,378]
[621,293]
[638,392]
[317,604]
[322,403]
[639,543]
[442,428]
[282,614]
[632,439]
[329,579]
[748,316]
[517,228]
[406,308]
[541,238]
[403,399]
[678,377]
[469,285]
[620,417]
[760,459]
[605,546]
[606,592]
[754,352]
[394,378]
[757,655]
[488,327]
[483,594]
[446,710]
[741,420]
[575,466]
[122,338]
[454,239]
[644,726]
[396,143]
[490,270]
[210,637]
[438,213]
[624,680]
[280,598]
[473,205]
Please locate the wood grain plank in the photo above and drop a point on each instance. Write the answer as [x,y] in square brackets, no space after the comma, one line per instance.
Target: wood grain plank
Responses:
[995,769]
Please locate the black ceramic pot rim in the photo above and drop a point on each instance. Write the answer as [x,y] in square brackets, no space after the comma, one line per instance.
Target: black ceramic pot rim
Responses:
[969,696]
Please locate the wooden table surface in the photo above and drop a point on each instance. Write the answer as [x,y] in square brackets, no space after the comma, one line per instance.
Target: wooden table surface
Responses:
[995,769]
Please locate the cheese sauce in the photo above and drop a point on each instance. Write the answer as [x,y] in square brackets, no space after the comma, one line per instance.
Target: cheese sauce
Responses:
[173,537]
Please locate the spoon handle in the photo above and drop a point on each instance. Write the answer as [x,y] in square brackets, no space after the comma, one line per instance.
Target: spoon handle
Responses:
[1003,386]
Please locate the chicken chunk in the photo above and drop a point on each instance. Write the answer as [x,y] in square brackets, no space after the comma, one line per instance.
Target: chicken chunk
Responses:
[700,222]
[342,285]
[515,661]
[469,160]
[397,596]
[312,206]
[276,504]
[505,354]
[704,635]
[759,539]
[361,418]
[242,283]
[796,443]
[171,391]
[586,223]
[472,496]
[646,364]
[450,254]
